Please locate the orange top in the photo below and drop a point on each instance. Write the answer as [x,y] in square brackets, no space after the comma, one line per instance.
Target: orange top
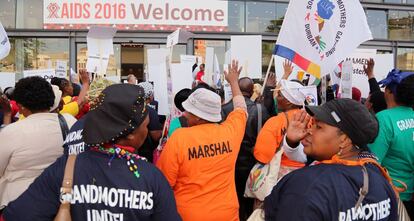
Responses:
[199,163]
[270,137]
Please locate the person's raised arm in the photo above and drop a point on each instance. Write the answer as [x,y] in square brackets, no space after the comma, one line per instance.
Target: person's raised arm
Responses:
[369,71]
[232,76]
[84,76]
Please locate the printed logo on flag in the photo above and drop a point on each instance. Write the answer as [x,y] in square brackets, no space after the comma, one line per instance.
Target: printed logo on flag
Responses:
[318,15]
[311,100]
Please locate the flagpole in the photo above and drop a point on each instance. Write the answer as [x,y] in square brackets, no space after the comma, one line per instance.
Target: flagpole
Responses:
[267,73]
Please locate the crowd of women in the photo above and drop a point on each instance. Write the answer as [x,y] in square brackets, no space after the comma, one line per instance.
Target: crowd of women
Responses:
[82,152]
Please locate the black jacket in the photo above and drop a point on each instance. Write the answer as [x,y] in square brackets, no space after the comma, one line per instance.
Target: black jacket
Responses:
[245,159]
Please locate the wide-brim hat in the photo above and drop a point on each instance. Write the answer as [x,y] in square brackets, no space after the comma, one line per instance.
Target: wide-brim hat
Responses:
[120,110]
[204,104]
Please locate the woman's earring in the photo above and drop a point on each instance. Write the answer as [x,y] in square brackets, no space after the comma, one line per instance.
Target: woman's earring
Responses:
[340,152]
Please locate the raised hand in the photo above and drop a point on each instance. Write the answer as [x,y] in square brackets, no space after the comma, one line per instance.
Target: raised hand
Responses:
[298,128]
[84,76]
[271,80]
[233,73]
[369,68]
[288,68]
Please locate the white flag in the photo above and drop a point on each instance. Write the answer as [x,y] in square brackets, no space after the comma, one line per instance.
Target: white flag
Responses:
[4,43]
[317,35]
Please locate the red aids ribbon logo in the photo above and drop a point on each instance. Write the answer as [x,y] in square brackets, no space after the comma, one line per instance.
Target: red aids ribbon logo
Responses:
[53,9]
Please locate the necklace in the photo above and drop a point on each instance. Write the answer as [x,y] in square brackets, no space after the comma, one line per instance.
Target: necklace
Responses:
[121,153]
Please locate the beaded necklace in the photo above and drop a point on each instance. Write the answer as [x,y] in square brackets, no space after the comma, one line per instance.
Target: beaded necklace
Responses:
[121,153]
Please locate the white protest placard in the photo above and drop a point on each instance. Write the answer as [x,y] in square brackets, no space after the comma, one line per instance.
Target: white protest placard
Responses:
[181,76]
[61,69]
[346,79]
[227,57]
[7,79]
[311,95]
[318,35]
[172,39]
[157,72]
[191,59]
[209,65]
[100,47]
[248,51]
[4,43]
[47,74]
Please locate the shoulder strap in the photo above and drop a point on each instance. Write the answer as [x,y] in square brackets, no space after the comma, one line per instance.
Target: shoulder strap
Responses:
[63,126]
[259,118]
[63,213]
[363,191]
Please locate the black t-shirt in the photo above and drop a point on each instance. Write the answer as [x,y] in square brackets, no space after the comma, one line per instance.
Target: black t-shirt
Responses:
[100,192]
[154,123]
[74,140]
[329,193]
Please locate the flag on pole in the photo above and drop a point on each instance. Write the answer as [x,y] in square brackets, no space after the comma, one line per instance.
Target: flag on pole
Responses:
[4,43]
[317,35]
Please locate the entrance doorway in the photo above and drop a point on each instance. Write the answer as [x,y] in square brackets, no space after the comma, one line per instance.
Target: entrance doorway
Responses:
[128,58]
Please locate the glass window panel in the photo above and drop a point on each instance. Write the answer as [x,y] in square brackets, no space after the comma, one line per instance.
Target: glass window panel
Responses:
[410,1]
[405,59]
[114,64]
[260,15]
[276,24]
[42,53]
[29,14]
[377,21]
[267,50]
[7,13]
[400,25]
[236,16]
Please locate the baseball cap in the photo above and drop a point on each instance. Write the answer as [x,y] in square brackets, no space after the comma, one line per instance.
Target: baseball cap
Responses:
[204,104]
[351,117]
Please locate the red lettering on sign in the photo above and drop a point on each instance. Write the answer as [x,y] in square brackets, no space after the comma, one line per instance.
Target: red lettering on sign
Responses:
[219,15]
[202,13]
[157,13]
[189,14]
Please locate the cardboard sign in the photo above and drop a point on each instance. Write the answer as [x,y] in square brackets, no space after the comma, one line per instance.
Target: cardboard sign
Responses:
[248,51]
[181,76]
[100,47]
[61,69]
[47,74]
[157,72]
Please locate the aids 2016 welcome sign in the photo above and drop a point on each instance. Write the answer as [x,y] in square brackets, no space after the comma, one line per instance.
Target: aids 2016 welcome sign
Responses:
[136,12]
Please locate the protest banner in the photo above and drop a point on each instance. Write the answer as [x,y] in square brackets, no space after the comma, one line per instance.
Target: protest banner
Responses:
[47,74]
[318,35]
[4,43]
[100,47]
[248,51]
[7,79]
